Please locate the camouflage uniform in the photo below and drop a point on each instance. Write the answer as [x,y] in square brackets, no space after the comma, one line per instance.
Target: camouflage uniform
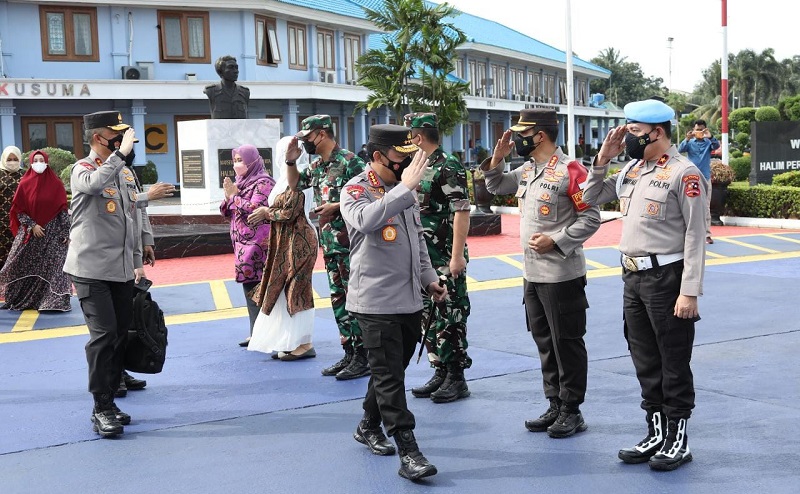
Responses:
[442,192]
[327,180]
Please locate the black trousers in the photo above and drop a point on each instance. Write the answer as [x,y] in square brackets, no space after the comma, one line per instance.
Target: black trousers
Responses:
[108,310]
[252,308]
[390,340]
[556,316]
[660,343]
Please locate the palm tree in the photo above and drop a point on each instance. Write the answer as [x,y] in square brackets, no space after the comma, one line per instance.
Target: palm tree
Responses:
[767,71]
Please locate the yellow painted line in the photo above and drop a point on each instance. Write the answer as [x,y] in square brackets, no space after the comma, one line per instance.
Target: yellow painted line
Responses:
[470,279]
[745,244]
[753,258]
[714,254]
[508,260]
[779,237]
[596,264]
[26,320]
[219,292]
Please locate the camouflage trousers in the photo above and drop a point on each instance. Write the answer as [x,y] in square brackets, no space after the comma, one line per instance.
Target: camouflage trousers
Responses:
[446,336]
[338,269]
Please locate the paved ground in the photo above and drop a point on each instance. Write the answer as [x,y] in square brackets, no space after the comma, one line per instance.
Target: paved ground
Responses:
[223,419]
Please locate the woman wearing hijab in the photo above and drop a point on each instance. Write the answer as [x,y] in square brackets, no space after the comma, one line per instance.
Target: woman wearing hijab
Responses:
[33,276]
[250,241]
[10,175]
[285,323]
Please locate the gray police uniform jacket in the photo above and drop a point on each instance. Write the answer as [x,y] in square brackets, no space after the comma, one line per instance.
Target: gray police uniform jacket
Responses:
[103,244]
[663,206]
[389,263]
[550,202]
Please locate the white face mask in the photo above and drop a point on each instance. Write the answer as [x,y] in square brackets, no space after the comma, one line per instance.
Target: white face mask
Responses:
[39,167]
[12,165]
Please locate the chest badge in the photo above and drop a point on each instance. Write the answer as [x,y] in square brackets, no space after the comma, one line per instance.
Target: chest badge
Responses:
[544,210]
[389,233]
[111,207]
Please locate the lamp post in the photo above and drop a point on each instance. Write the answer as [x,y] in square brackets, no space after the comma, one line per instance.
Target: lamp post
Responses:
[669,46]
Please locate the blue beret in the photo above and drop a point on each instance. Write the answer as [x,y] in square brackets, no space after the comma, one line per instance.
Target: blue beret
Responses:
[649,111]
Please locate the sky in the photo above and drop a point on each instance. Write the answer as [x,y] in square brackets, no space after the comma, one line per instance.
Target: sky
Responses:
[639,30]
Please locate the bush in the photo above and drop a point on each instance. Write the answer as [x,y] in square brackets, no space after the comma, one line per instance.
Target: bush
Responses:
[735,153]
[743,126]
[741,166]
[746,114]
[59,160]
[149,174]
[742,139]
[763,201]
[789,107]
[788,179]
[721,173]
[767,114]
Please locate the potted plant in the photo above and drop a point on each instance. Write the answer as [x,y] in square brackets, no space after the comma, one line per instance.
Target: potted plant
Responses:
[721,176]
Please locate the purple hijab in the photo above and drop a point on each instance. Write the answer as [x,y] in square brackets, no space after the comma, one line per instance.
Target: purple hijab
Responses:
[255,165]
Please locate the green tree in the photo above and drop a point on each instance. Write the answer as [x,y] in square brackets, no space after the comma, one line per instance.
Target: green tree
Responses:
[768,114]
[411,72]
[627,81]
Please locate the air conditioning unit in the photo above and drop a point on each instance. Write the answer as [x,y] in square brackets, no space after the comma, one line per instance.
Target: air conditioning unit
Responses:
[517,97]
[328,76]
[132,73]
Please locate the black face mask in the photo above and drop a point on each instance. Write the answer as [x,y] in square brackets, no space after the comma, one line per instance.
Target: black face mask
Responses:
[634,145]
[525,145]
[310,147]
[110,142]
[397,167]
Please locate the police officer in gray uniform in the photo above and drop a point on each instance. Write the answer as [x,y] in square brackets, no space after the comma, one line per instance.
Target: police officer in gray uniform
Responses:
[554,224]
[104,258]
[390,268]
[662,198]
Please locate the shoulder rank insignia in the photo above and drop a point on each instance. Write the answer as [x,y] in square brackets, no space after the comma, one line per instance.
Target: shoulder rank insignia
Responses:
[662,160]
[372,178]
[553,161]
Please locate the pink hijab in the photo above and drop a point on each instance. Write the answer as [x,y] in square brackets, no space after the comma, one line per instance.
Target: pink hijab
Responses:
[255,166]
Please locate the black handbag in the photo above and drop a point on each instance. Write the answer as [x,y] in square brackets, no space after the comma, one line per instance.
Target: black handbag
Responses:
[147,338]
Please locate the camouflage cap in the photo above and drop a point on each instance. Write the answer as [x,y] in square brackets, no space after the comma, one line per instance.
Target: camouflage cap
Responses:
[421,120]
[314,122]
[394,136]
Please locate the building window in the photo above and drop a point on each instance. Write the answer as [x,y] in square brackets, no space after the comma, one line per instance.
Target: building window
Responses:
[498,81]
[517,84]
[352,50]
[549,88]
[69,34]
[57,131]
[297,46]
[562,91]
[459,68]
[267,50]
[534,89]
[581,93]
[184,37]
[325,51]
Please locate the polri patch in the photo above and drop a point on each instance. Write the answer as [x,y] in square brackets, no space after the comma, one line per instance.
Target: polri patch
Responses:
[691,185]
[355,191]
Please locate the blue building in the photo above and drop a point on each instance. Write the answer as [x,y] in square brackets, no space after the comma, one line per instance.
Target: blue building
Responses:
[151,61]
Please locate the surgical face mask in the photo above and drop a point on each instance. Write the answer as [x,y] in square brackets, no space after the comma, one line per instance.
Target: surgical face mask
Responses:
[310,146]
[635,145]
[39,166]
[525,145]
[397,167]
[239,168]
[12,165]
[111,143]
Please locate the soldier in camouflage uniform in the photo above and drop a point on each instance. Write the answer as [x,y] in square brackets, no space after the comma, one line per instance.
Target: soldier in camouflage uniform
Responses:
[444,206]
[327,175]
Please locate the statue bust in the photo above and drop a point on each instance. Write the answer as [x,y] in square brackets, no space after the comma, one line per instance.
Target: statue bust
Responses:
[226,98]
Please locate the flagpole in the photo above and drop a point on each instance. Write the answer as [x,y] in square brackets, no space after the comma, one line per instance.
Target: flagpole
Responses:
[570,84]
[724,82]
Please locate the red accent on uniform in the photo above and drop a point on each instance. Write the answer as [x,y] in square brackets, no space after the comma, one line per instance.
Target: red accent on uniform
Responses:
[577,176]
[355,191]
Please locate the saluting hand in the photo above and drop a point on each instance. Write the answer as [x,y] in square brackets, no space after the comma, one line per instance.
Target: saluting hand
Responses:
[127,141]
[613,145]
[412,175]
[293,151]
[502,149]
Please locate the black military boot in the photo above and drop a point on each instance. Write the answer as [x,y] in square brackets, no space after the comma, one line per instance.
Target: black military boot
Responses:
[104,419]
[546,419]
[358,366]
[454,386]
[568,422]
[413,465]
[369,433]
[131,383]
[648,446]
[432,385]
[122,417]
[341,364]
[122,390]
[675,450]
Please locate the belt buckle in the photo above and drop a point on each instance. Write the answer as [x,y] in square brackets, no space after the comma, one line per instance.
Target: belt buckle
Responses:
[630,264]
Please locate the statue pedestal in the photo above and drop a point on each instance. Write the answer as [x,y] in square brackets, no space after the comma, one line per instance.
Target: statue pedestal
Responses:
[205,158]
[482,224]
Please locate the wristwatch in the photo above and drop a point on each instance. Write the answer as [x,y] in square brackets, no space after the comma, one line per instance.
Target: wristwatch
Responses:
[290,163]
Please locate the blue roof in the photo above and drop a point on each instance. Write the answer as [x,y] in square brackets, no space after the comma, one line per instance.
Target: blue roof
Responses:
[486,32]
[342,7]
